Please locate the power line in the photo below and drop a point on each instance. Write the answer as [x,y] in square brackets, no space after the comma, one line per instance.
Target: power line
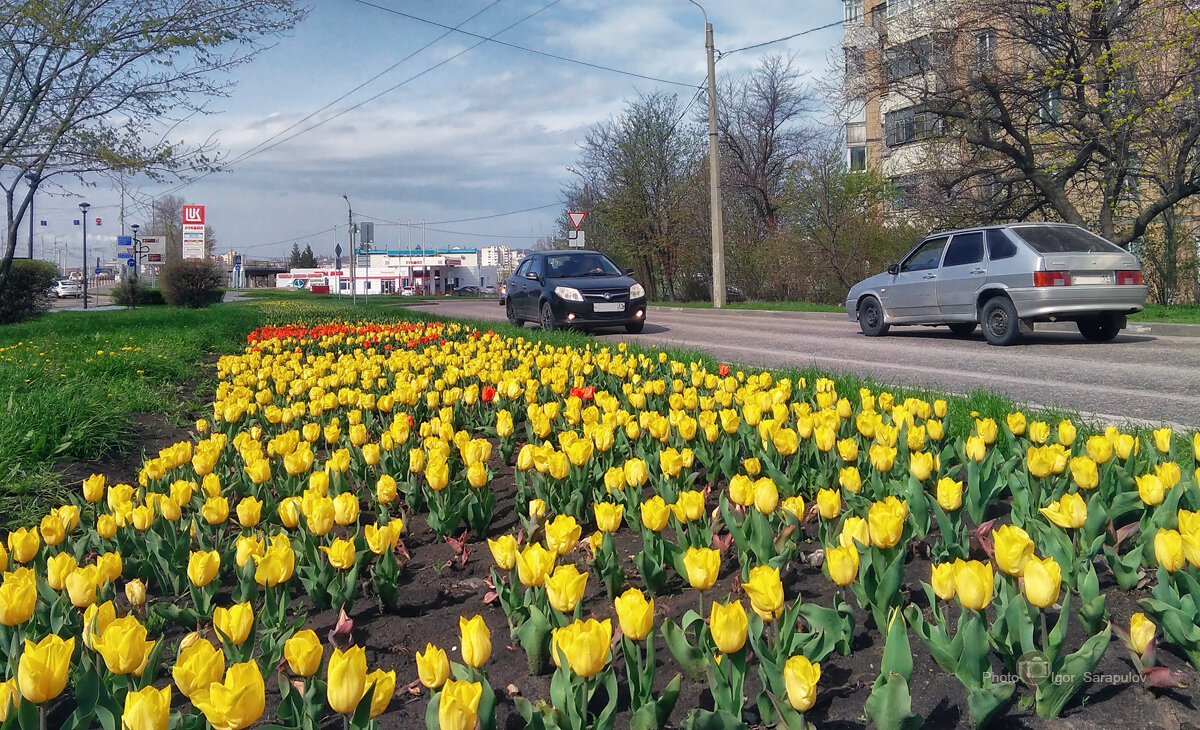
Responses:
[388,222]
[777,40]
[523,48]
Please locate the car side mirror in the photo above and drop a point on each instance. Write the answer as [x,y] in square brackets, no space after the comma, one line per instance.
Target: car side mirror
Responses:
[894,269]
[532,276]
[628,272]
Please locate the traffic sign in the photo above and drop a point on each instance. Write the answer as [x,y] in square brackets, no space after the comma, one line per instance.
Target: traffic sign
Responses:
[576,239]
[124,255]
[97,221]
[124,240]
[99,271]
[131,263]
[576,219]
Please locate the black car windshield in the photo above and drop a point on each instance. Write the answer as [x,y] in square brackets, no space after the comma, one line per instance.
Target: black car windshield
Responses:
[570,265]
[1064,239]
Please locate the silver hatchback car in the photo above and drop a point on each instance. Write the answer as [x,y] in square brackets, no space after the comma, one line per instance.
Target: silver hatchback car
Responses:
[1006,278]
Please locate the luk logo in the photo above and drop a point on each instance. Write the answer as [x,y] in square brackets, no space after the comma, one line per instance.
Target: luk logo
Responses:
[193,215]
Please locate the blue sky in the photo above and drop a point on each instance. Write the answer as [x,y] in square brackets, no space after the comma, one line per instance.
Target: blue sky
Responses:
[488,132]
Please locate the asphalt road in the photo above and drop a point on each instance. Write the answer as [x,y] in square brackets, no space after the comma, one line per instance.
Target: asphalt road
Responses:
[1135,378]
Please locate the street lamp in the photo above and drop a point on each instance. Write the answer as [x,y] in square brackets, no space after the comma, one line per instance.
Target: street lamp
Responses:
[714,170]
[83,208]
[353,272]
[134,227]
[32,179]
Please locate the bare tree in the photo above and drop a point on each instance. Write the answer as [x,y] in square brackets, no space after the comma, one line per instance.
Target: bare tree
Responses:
[1045,108]
[96,86]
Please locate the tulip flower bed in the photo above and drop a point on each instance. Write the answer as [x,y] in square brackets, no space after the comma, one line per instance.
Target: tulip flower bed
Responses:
[422,524]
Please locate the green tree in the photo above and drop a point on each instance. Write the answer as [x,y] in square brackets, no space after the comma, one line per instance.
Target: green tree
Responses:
[308,259]
[295,257]
[95,86]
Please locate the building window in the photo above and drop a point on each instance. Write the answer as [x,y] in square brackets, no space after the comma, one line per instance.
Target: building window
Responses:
[985,48]
[856,133]
[856,62]
[1050,111]
[908,59]
[853,10]
[858,159]
[911,124]
[898,7]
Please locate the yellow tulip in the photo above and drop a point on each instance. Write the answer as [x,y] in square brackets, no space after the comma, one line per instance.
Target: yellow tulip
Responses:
[560,465]
[476,641]
[96,619]
[1013,548]
[135,593]
[1141,632]
[1039,432]
[609,515]
[109,566]
[585,645]
[203,567]
[729,625]
[801,677]
[949,494]
[433,666]
[942,580]
[147,709]
[53,530]
[920,465]
[289,512]
[346,676]
[886,521]
[320,516]
[234,622]
[741,490]
[973,583]
[702,565]
[847,449]
[1099,449]
[249,511]
[93,488]
[1069,512]
[58,567]
[786,442]
[1016,423]
[534,564]
[1168,473]
[765,589]
[1066,432]
[504,551]
[537,509]
[458,708]
[635,614]
[882,457]
[1150,489]
[565,587]
[829,503]
[1168,549]
[43,668]
[82,585]
[437,473]
[198,665]
[850,480]
[1084,472]
[236,703]
[794,506]
[1042,581]
[23,544]
[385,489]
[215,510]
[976,448]
[1040,461]
[855,529]
[303,652]
[18,597]
[345,508]
[655,513]
[123,645]
[562,534]
[276,565]
[383,686]
[341,553]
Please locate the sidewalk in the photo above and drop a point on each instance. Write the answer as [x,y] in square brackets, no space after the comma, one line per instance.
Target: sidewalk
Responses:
[1160,329]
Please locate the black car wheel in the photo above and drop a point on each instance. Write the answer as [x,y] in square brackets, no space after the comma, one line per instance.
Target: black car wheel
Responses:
[548,317]
[870,318]
[1100,328]
[635,328]
[1000,323]
[962,329]
[513,319]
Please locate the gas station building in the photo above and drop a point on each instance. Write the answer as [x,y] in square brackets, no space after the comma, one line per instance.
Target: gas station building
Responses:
[430,272]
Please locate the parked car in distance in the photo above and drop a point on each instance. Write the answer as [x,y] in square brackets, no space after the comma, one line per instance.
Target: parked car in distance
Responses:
[66,288]
[574,289]
[408,291]
[733,294]
[500,290]
[1005,278]
[467,291]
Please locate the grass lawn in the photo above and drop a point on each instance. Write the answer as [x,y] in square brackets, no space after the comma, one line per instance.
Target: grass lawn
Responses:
[1176,313]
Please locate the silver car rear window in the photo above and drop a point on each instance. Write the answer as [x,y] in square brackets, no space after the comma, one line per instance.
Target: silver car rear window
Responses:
[1064,239]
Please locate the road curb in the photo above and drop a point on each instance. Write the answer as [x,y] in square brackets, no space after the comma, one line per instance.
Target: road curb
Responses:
[1161,329]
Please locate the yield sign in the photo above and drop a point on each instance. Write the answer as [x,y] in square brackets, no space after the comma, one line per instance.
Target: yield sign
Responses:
[576,219]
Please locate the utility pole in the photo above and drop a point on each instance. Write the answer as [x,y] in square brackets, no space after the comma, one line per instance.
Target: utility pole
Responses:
[32,179]
[353,273]
[714,170]
[83,208]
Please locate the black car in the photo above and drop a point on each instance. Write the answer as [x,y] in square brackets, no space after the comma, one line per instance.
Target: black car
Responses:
[467,291]
[575,289]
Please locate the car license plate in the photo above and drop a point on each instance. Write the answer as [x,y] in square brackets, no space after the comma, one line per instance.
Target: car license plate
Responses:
[608,307]
[1091,278]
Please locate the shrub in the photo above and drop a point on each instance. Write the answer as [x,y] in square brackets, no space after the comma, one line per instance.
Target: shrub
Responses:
[133,292]
[26,295]
[192,283]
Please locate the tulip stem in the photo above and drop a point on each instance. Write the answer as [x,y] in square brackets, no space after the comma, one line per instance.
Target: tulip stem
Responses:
[42,716]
